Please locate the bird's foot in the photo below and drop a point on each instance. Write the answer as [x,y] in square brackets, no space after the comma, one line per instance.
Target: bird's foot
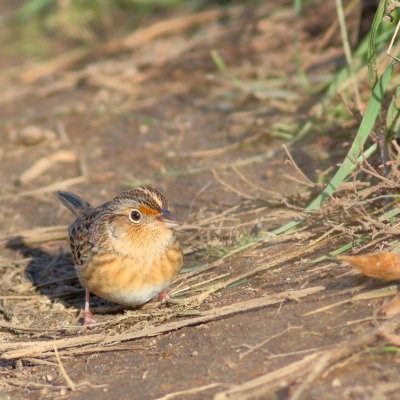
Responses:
[163,297]
[88,319]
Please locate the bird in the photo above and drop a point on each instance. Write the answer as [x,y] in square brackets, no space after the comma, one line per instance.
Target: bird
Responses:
[124,250]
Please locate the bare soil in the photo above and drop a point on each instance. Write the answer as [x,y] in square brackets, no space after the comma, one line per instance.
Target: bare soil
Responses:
[161,113]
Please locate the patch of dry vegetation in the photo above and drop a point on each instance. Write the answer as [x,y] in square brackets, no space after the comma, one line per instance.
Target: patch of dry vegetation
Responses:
[268,101]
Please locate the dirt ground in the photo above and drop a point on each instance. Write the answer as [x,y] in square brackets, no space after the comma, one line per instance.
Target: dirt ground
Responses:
[265,322]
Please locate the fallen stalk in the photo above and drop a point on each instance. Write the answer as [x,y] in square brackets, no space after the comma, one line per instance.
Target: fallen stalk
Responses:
[45,348]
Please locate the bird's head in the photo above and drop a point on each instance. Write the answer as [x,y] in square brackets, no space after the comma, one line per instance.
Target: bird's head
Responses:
[140,218]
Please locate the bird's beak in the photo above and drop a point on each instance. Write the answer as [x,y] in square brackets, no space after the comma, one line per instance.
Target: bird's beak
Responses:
[166,218]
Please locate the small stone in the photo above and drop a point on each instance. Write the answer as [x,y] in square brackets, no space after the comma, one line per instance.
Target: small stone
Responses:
[195,353]
[32,135]
[336,383]
[143,129]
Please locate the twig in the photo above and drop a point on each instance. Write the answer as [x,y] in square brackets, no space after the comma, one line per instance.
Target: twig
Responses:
[264,342]
[293,353]
[69,381]
[266,383]
[97,349]
[46,189]
[293,163]
[45,163]
[277,195]
[191,391]
[222,150]
[316,363]
[256,159]
[137,38]
[43,347]
[322,362]
[34,236]
[20,328]
[230,188]
[27,384]
[203,282]
[262,267]
[195,197]
[362,296]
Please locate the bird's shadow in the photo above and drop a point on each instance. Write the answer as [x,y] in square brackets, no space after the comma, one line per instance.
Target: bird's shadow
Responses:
[54,276]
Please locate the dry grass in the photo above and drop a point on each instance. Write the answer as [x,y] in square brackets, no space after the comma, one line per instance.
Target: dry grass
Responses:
[233,240]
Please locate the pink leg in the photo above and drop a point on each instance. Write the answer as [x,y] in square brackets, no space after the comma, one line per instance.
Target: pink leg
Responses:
[163,297]
[88,317]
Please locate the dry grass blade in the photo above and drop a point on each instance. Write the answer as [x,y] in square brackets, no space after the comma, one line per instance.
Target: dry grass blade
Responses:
[34,236]
[347,52]
[46,163]
[307,181]
[30,385]
[264,342]
[191,391]
[268,381]
[312,366]
[223,150]
[362,296]
[68,380]
[62,185]
[43,347]
[137,38]
[20,328]
[286,257]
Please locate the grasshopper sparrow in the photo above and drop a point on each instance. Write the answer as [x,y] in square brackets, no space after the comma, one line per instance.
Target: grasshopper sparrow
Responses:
[124,250]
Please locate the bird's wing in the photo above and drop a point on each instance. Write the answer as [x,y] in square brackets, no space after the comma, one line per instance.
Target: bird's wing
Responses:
[85,235]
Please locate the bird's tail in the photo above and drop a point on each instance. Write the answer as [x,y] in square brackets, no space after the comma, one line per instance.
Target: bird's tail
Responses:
[73,202]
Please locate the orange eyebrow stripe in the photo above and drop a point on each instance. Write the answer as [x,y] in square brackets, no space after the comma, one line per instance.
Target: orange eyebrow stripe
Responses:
[147,210]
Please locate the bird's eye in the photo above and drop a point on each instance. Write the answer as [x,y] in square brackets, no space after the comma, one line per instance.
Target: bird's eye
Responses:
[135,216]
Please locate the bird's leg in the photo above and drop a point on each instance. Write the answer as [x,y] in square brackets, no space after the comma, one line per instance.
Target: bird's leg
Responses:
[88,317]
[163,297]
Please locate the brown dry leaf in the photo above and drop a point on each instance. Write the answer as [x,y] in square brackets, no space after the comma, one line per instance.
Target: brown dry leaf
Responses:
[379,265]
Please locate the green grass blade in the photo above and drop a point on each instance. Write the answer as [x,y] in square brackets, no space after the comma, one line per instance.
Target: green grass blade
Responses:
[389,215]
[348,165]
[341,249]
[368,121]
[361,54]
[218,61]
[393,117]
[32,8]
[372,70]
[392,349]
[320,199]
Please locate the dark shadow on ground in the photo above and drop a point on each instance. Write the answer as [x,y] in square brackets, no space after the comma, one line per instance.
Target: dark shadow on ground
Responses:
[54,276]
